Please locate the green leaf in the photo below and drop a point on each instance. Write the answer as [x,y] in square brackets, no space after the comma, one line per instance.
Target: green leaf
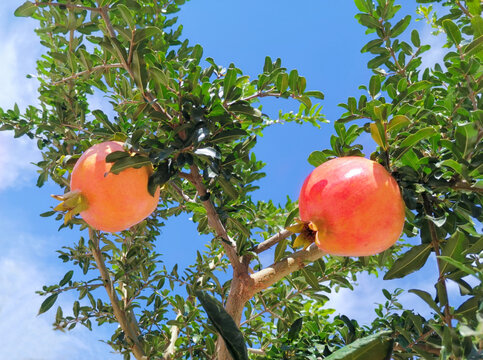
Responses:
[228,136]
[146,33]
[378,61]
[316,158]
[373,44]
[280,250]
[126,15]
[117,155]
[452,31]
[293,80]
[377,133]
[374,85]
[243,108]
[427,299]
[25,10]
[295,328]
[362,6]
[466,138]
[225,325]
[66,278]
[398,122]
[453,164]
[310,278]
[474,47]
[368,21]
[373,347]
[459,265]
[136,161]
[230,80]
[453,248]
[315,94]
[418,136]
[468,309]
[420,85]
[48,213]
[228,188]
[474,7]
[47,303]
[412,260]
[415,38]
[400,26]
[477,25]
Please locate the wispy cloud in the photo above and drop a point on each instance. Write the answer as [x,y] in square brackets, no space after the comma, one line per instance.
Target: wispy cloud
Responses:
[26,336]
[16,168]
[436,54]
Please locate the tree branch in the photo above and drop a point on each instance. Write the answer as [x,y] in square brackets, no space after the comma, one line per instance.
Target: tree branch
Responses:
[215,222]
[120,314]
[277,271]
[275,239]
[146,94]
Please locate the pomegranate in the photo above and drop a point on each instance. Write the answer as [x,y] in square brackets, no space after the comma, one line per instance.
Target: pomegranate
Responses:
[352,206]
[107,201]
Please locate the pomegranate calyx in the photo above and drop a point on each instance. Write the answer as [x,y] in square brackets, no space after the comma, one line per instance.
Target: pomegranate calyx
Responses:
[72,203]
[307,233]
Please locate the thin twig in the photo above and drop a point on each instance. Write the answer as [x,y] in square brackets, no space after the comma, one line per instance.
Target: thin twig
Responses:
[88,71]
[120,314]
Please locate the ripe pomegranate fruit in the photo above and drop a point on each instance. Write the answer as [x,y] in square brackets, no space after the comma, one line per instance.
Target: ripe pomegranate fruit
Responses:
[107,201]
[353,206]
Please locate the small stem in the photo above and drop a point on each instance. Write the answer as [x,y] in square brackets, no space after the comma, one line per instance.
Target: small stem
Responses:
[89,71]
[465,10]
[435,243]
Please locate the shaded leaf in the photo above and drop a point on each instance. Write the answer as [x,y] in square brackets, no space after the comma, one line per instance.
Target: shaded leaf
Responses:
[468,309]
[373,347]
[47,303]
[418,136]
[136,161]
[67,277]
[412,260]
[225,325]
[295,329]
[401,26]
[452,31]
[25,10]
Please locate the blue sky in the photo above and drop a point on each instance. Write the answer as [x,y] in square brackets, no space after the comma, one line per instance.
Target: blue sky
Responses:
[321,39]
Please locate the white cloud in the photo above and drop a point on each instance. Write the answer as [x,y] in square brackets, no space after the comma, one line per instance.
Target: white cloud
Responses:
[26,336]
[437,52]
[15,163]
[360,303]
[19,49]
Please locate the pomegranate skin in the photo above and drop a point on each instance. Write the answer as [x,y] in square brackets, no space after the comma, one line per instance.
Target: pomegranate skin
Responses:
[115,202]
[355,204]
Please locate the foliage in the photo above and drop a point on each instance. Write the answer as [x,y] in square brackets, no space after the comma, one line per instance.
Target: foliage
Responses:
[197,122]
